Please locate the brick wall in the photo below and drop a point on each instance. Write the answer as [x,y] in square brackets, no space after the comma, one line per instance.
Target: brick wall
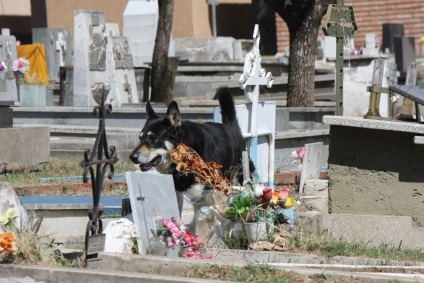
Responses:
[370,16]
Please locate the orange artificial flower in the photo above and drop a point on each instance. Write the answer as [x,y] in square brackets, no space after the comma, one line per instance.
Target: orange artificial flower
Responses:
[7,242]
[275,198]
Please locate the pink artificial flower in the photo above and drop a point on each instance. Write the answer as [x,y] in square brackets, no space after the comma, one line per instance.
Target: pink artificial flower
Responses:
[284,193]
[164,222]
[300,153]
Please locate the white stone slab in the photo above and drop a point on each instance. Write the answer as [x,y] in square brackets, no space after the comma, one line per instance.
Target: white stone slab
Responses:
[58,49]
[152,197]
[86,25]
[8,90]
[311,163]
[121,72]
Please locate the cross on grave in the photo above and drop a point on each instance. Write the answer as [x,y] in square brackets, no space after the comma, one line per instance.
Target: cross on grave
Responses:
[252,78]
[61,48]
[3,87]
[340,23]
[127,88]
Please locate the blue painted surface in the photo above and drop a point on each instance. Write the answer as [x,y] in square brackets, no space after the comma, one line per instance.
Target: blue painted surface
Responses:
[116,177]
[111,204]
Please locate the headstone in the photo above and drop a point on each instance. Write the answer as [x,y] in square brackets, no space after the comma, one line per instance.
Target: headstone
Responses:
[404,48]
[8,90]
[390,31]
[5,31]
[9,199]
[112,29]
[90,56]
[370,48]
[122,75]
[58,49]
[311,163]
[141,15]
[152,198]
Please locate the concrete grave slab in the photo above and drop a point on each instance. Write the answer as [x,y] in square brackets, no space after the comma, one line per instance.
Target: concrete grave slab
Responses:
[152,197]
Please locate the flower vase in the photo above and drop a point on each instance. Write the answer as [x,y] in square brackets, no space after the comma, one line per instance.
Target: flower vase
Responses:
[255,231]
[32,95]
[157,246]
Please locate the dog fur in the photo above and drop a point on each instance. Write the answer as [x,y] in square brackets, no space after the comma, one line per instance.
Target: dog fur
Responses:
[219,142]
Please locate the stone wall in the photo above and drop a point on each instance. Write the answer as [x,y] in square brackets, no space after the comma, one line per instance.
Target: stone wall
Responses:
[370,16]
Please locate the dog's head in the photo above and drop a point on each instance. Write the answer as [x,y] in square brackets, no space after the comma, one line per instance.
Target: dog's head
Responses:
[157,139]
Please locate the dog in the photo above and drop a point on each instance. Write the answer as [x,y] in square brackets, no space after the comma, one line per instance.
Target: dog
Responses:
[222,143]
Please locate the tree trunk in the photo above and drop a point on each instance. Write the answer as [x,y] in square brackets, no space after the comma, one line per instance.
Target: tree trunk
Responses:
[303,19]
[161,77]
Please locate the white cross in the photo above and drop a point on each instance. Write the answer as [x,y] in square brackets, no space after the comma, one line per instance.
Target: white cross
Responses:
[61,48]
[252,78]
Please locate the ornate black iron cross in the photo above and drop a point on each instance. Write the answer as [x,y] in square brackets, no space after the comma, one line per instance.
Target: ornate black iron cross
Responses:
[103,158]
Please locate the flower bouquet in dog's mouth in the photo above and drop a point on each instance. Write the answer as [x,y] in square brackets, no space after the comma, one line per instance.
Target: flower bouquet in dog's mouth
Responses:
[206,173]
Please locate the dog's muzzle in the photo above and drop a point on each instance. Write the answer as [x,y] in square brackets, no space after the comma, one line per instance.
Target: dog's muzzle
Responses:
[154,162]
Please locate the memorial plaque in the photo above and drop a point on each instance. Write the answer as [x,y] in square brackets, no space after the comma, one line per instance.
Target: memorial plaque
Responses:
[97,50]
[96,244]
[122,56]
[9,72]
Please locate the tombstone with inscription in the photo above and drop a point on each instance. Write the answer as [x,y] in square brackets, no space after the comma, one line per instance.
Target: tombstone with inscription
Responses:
[90,44]
[57,45]
[152,198]
[8,90]
[122,72]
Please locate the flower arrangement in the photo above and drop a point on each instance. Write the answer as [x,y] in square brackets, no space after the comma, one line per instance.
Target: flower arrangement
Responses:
[257,202]
[177,236]
[297,156]
[189,162]
[21,65]
[7,238]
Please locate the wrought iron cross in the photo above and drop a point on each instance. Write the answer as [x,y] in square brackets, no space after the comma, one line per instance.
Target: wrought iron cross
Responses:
[340,23]
[252,78]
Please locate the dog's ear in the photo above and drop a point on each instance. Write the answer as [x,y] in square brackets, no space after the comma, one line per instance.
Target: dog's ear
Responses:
[150,112]
[173,114]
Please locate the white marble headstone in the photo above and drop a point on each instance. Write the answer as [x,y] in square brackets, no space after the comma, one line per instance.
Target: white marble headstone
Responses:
[152,197]
[91,42]
[8,90]
[57,45]
[121,72]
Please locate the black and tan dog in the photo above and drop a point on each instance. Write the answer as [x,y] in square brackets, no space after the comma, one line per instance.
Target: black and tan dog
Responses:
[222,143]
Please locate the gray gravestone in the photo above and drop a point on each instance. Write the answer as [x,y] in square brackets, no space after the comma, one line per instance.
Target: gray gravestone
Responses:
[152,197]
[57,45]
[311,163]
[122,72]
[8,90]
[90,51]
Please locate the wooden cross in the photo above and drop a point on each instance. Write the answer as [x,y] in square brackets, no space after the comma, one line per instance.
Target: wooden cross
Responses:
[340,23]
[252,78]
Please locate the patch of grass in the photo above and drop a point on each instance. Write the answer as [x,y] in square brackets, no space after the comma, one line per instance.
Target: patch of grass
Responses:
[330,247]
[55,168]
[250,273]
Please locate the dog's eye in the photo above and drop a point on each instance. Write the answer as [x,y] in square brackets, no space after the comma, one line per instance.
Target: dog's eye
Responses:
[151,138]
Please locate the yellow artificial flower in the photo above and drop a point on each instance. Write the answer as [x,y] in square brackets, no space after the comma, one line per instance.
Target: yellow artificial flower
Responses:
[290,202]
[3,219]
[11,213]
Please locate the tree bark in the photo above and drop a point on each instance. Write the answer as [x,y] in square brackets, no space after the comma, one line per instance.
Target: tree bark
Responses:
[303,19]
[161,77]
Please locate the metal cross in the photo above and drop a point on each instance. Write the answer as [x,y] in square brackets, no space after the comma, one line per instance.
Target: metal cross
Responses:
[252,78]
[339,23]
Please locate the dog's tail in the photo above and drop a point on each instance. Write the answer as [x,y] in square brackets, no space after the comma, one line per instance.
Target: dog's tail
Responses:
[228,110]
